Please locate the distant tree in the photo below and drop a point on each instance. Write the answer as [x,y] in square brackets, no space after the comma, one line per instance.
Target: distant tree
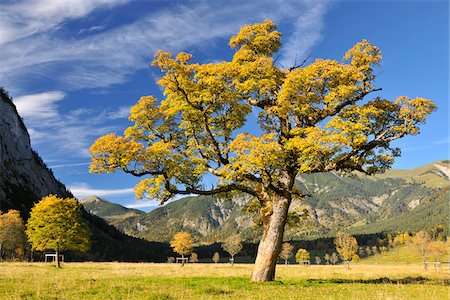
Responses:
[194,257]
[12,233]
[216,257]
[437,232]
[302,255]
[311,119]
[398,240]
[437,249]
[182,244]
[369,251]
[374,250]
[346,245]
[318,260]
[56,224]
[327,258]
[419,243]
[390,240]
[361,252]
[406,238]
[286,252]
[232,245]
[383,249]
[334,258]
[170,260]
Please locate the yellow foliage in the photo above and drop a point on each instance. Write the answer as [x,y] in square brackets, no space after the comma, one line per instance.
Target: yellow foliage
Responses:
[312,118]
[56,224]
[182,243]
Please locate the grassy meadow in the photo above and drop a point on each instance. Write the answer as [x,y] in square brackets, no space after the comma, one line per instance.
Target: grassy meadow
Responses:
[219,281]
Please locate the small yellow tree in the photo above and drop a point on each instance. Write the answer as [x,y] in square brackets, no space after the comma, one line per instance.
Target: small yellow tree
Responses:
[346,245]
[12,232]
[182,244]
[286,252]
[56,224]
[302,255]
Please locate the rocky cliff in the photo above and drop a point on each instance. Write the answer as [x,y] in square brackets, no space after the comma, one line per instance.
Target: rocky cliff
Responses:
[24,177]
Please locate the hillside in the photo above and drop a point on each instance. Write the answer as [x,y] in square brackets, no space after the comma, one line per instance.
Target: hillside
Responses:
[402,254]
[433,175]
[363,204]
[25,179]
[111,212]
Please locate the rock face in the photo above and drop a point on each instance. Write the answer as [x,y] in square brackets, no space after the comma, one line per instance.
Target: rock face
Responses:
[24,177]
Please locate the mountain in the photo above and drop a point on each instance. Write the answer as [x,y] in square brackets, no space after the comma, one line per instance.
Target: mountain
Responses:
[435,175]
[113,213]
[25,179]
[387,202]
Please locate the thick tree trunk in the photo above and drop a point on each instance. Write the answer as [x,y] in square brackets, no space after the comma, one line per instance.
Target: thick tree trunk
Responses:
[270,245]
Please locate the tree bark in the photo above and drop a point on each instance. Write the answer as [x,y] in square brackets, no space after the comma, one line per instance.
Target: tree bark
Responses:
[57,259]
[270,246]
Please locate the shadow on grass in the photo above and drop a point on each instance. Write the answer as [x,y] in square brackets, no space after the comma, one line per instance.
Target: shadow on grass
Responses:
[384,280]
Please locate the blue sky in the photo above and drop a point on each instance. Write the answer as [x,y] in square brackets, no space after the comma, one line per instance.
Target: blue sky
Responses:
[74,68]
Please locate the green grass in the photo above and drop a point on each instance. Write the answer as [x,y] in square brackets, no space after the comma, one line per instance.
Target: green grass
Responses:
[217,281]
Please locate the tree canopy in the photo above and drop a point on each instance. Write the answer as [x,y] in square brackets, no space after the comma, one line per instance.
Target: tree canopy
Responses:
[56,224]
[182,243]
[310,118]
[12,232]
[346,245]
[302,255]
[232,245]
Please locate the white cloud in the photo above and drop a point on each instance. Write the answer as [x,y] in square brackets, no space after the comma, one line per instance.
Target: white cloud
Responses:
[108,57]
[39,106]
[20,19]
[71,133]
[83,190]
[35,46]
[121,113]
[143,204]
[68,165]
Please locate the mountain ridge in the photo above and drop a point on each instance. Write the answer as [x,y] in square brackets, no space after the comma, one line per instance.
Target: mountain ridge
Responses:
[336,201]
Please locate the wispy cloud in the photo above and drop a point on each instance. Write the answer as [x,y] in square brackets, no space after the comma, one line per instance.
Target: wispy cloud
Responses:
[39,106]
[68,165]
[36,44]
[83,190]
[70,133]
[442,141]
[108,57]
[21,19]
[142,204]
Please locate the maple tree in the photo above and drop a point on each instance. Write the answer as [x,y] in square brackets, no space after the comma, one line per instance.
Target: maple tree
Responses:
[286,252]
[182,244]
[232,245]
[302,255]
[346,245]
[311,118]
[12,232]
[56,224]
